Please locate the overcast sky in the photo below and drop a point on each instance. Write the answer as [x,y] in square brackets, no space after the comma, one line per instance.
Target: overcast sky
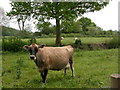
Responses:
[107,18]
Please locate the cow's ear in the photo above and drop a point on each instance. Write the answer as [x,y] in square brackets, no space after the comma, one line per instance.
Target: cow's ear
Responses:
[41,46]
[26,47]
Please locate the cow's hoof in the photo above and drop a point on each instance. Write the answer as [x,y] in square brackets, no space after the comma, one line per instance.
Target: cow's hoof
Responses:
[43,81]
[73,76]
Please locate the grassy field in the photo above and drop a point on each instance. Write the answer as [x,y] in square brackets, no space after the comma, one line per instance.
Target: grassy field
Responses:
[92,68]
[70,40]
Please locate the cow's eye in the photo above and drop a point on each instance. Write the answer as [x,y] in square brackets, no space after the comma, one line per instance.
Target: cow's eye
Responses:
[30,51]
[36,49]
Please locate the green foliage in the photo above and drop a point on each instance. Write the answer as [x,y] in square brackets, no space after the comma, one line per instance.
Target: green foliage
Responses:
[6,31]
[86,22]
[22,12]
[32,40]
[113,43]
[78,42]
[64,11]
[37,34]
[71,26]
[71,35]
[60,11]
[12,44]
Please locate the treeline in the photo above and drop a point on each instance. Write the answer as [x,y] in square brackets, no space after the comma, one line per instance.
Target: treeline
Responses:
[81,27]
[50,32]
[7,31]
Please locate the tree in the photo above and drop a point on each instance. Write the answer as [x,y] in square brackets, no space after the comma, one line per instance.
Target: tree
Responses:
[4,20]
[62,11]
[45,27]
[86,22]
[21,12]
[71,27]
[94,30]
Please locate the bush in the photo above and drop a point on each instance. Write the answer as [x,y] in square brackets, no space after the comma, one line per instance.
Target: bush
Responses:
[78,42]
[113,43]
[12,44]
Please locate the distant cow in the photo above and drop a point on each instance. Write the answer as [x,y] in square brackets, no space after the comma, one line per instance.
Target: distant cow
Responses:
[62,38]
[51,58]
[75,38]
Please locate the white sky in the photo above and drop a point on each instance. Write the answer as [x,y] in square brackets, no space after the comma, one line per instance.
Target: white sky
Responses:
[107,18]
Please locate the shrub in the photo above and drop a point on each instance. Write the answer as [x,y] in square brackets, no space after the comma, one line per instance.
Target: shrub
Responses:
[78,42]
[113,43]
[12,44]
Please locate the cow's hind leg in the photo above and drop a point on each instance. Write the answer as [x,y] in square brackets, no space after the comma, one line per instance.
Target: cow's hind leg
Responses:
[65,71]
[71,66]
[72,69]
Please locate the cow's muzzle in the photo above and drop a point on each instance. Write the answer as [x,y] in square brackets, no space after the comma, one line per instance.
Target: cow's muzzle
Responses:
[33,57]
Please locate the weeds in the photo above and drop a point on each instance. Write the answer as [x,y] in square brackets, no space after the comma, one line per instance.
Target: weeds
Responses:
[19,64]
[18,72]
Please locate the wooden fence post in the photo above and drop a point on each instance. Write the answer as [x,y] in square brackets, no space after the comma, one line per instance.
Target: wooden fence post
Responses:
[115,81]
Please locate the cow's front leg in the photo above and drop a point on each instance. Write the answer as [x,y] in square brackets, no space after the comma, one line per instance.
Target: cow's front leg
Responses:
[42,75]
[45,75]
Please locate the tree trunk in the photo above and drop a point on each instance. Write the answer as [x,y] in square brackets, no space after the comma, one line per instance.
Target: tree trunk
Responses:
[58,33]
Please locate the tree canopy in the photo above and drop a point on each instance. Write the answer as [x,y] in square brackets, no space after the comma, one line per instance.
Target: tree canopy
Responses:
[20,11]
[4,20]
[60,11]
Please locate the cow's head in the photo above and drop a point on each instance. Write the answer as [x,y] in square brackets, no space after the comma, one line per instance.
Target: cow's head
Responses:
[33,49]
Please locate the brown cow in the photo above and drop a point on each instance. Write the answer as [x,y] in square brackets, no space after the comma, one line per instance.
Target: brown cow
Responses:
[51,58]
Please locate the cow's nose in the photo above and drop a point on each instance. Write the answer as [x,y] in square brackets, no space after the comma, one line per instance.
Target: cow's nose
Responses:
[32,56]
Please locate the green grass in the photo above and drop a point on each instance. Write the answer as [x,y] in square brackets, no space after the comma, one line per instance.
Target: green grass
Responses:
[92,70]
[51,41]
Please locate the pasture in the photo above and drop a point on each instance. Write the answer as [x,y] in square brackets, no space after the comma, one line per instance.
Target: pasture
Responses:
[92,68]
[70,40]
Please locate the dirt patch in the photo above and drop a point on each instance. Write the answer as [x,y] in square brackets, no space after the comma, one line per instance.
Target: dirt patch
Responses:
[98,46]
[91,46]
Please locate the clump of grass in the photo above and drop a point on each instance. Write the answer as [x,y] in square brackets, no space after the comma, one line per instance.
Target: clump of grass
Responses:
[18,72]
[19,64]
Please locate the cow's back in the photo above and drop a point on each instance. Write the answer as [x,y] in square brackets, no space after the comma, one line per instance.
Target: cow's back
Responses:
[55,58]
